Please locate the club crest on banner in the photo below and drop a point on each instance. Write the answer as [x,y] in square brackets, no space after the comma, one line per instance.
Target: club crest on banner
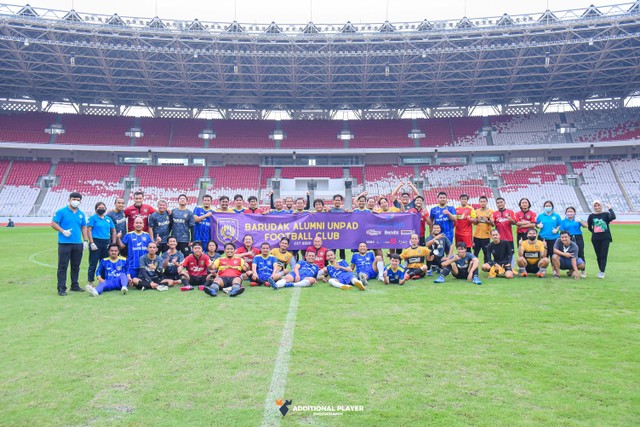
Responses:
[227,230]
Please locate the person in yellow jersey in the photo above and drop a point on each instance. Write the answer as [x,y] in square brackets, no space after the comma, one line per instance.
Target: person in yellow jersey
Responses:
[532,255]
[482,232]
[416,256]
[385,207]
[283,257]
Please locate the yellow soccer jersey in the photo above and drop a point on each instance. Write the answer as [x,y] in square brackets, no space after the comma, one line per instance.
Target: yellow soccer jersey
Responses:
[532,252]
[415,257]
[283,258]
[483,227]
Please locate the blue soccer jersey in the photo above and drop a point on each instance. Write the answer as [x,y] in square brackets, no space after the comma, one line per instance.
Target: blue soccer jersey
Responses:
[307,270]
[264,266]
[136,247]
[395,275]
[438,216]
[108,269]
[363,263]
[342,276]
[572,226]
[202,229]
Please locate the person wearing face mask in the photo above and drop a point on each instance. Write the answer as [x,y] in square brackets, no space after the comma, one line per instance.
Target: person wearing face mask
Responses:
[549,224]
[101,232]
[71,225]
[532,255]
[572,224]
[599,226]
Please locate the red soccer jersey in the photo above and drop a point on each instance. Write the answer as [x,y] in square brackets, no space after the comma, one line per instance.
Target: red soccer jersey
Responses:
[248,259]
[463,224]
[525,216]
[424,215]
[321,255]
[503,225]
[249,211]
[143,211]
[229,267]
[196,266]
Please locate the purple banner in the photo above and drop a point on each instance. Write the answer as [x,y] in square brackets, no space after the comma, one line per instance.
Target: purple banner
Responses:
[338,230]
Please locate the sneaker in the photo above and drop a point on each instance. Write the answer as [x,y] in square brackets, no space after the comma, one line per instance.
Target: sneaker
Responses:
[583,274]
[345,287]
[124,290]
[540,274]
[272,283]
[524,274]
[358,284]
[364,278]
[440,279]
[429,273]
[601,275]
[476,280]
[162,288]
[201,288]
[415,277]
[210,291]
[501,270]
[253,284]
[186,288]
[556,276]
[569,273]
[62,293]
[77,289]
[236,292]
[92,291]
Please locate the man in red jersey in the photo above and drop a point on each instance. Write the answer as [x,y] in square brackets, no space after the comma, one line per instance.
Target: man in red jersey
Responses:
[138,209]
[229,277]
[464,226]
[504,219]
[424,216]
[193,270]
[247,252]
[320,251]
[253,206]
[525,219]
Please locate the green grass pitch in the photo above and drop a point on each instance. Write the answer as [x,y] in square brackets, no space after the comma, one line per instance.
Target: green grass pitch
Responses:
[521,352]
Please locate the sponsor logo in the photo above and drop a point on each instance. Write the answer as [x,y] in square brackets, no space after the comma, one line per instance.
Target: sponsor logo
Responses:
[391,232]
[406,232]
[372,232]
[283,406]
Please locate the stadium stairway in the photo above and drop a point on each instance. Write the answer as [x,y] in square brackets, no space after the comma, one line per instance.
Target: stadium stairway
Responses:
[43,191]
[622,189]
[6,175]
[493,183]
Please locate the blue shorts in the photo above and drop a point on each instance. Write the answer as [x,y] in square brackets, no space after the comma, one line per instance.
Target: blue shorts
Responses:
[264,276]
[565,263]
[345,278]
[133,273]
[369,272]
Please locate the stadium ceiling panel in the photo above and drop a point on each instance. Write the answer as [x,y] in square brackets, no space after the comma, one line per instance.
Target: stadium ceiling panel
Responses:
[50,55]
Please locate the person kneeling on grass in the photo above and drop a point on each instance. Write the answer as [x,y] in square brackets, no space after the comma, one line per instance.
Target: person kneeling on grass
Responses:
[499,253]
[171,261]
[395,273]
[194,269]
[340,274]
[264,267]
[415,257]
[303,274]
[111,274]
[463,265]
[532,255]
[366,264]
[150,270]
[229,273]
[565,257]
[440,246]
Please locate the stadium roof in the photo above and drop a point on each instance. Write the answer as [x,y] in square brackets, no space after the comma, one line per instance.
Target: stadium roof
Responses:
[49,55]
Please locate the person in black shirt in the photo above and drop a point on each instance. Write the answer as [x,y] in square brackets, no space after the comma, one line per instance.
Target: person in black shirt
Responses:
[598,224]
[499,254]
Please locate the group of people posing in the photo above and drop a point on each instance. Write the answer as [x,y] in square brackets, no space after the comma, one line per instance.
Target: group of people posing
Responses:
[158,248]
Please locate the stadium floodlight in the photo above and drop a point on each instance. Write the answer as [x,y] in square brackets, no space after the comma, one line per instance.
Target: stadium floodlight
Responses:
[387,71]
[26,42]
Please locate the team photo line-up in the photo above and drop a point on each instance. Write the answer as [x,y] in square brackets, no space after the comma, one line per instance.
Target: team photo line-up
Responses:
[158,248]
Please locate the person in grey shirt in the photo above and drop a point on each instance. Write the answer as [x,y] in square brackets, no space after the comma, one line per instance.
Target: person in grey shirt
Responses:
[565,257]
[160,226]
[183,224]
[171,260]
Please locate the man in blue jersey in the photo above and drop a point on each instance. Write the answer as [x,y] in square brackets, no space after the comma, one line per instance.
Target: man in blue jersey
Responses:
[366,264]
[262,267]
[118,217]
[303,274]
[340,274]
[361,205]
[111,274]
[238,204]
[395,273]
[182,225]
[136,242]
[160,226]
[463,265]
[279,208]
[202,217]
[443,215]
[71,225]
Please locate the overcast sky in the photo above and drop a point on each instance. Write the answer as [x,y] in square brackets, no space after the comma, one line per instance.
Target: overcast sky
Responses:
[324,11]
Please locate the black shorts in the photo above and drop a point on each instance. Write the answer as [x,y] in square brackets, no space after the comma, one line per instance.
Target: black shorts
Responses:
[163,247]
[197,280]
[415,272]
[227,281]
[184,248]
[422,241]
[462,274]
[394,281]
[532,268]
